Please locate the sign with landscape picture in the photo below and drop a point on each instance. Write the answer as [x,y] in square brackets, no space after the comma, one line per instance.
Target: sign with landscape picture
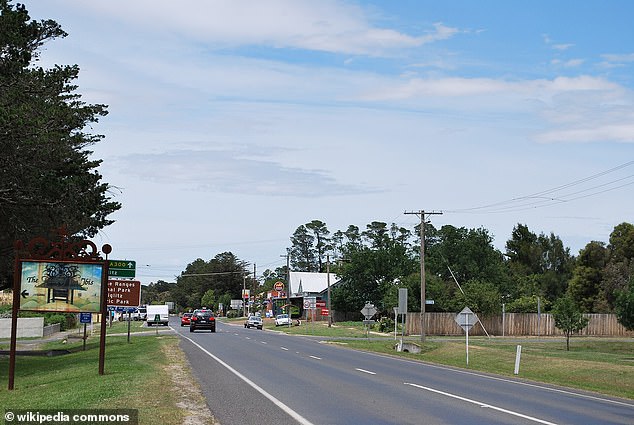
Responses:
[69,287]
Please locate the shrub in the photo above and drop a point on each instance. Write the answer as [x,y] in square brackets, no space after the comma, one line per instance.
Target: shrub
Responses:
[385,324]
[232,314]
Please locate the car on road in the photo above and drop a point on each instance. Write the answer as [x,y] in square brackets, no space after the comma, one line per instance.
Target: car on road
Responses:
[253,322]
[186,319]
[282,319]
[202,319]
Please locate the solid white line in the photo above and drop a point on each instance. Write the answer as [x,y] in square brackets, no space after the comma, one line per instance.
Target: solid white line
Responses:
[365,371]
[299,418]
[284,348]
[264,342]
[315,357]
[468,400]
[509,381]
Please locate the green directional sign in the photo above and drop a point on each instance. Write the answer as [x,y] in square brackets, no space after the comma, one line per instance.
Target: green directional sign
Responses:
[121,268]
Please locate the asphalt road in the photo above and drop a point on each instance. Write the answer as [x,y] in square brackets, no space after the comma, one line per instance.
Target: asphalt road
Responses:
[252,376]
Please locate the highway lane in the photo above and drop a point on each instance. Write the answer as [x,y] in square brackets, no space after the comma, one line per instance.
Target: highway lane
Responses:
[310,382]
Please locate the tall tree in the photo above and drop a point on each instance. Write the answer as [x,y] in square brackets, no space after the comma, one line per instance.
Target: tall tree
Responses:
[322,242]
[47,178]
[303,255]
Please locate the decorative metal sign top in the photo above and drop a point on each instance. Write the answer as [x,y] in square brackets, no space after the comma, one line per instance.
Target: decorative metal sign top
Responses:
[40,248]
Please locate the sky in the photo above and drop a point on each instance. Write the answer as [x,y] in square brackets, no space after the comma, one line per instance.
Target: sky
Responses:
[233,122]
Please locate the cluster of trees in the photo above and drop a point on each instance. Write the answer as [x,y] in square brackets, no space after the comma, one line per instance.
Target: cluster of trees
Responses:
[204,283]
[47,177]
[464,268]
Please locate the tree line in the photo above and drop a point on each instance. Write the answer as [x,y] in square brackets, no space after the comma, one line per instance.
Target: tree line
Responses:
[464,268]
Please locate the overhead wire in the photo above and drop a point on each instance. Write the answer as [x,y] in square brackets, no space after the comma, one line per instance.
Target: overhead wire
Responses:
[542,199]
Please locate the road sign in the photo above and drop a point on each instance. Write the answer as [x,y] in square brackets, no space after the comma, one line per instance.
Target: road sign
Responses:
[325,312]
[310,302]
[402,300]
[429,302]
[246,293]
[466,319]
[85,317]
[278,286]
[121,268]
[368,310]
[124,293]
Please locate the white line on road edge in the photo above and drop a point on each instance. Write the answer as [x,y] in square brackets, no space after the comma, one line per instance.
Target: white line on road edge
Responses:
[284,348]
[315,357]
[468,400]
[299,418]
[365,371]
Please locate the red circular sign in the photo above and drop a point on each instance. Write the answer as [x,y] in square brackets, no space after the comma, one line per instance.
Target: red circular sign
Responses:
[279,286]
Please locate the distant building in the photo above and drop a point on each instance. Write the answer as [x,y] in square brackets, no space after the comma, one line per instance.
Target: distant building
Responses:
[310,284]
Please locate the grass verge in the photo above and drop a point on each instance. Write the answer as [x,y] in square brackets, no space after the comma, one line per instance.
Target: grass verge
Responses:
[137,375]
[592,364]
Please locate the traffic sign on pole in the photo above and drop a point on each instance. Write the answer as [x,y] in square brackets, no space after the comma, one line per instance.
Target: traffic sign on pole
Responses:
[121,268]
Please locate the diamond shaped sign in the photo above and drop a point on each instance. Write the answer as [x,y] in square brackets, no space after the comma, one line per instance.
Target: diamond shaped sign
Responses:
[466,319]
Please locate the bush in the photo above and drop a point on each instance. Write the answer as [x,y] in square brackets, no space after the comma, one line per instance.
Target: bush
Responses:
[66,321]
[385,324]
[232,314]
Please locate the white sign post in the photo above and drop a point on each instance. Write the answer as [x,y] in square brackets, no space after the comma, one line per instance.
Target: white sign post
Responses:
[466,319]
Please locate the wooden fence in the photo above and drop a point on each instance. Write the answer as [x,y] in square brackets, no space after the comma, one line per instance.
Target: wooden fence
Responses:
[513,324]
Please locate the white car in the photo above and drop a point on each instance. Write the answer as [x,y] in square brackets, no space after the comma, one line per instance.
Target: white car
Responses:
[282,319]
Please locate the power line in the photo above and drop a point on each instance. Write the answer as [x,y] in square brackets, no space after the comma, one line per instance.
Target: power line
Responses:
[551,196]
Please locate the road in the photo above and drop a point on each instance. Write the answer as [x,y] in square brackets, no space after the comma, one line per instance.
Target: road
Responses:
[255,376]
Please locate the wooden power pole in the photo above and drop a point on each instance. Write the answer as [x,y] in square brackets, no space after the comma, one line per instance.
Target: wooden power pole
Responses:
[422,213]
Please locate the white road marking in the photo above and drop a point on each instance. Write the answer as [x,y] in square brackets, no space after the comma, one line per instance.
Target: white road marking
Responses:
[479,403]
[247,337]
[365,371]
[315,357]
[264,342]
[284,348]
[299,418]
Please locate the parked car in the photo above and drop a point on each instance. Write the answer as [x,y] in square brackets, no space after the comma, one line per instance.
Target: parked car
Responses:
[202,319]
[186,319]
[253,322]
[282,319]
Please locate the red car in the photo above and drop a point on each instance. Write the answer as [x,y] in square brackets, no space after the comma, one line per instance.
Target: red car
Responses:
[186,319]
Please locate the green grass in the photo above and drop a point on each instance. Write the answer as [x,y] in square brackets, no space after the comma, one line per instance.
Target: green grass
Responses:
[592,364]
[134,378]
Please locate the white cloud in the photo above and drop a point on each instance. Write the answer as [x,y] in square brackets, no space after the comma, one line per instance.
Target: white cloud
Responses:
[562,47]
[325,25]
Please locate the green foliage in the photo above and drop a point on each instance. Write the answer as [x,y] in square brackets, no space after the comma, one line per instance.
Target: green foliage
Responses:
[625,307]
[482,297]
[232,314]
[44,166]
[385,324]
[568,317]
[209,300]
[527,304]
[224,274]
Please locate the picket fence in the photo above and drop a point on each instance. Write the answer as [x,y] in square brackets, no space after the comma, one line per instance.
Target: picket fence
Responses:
[513,324]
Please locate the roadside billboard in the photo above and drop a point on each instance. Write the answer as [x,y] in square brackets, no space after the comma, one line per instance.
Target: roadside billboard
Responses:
[62,286]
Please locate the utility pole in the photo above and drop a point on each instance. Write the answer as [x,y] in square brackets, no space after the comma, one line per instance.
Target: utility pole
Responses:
[422,213]
[288,283]
[328,278]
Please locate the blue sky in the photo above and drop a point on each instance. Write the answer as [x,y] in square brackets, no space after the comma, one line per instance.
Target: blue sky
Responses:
[233,122]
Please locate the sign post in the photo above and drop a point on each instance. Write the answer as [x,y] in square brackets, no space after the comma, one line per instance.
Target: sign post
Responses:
[466,319]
